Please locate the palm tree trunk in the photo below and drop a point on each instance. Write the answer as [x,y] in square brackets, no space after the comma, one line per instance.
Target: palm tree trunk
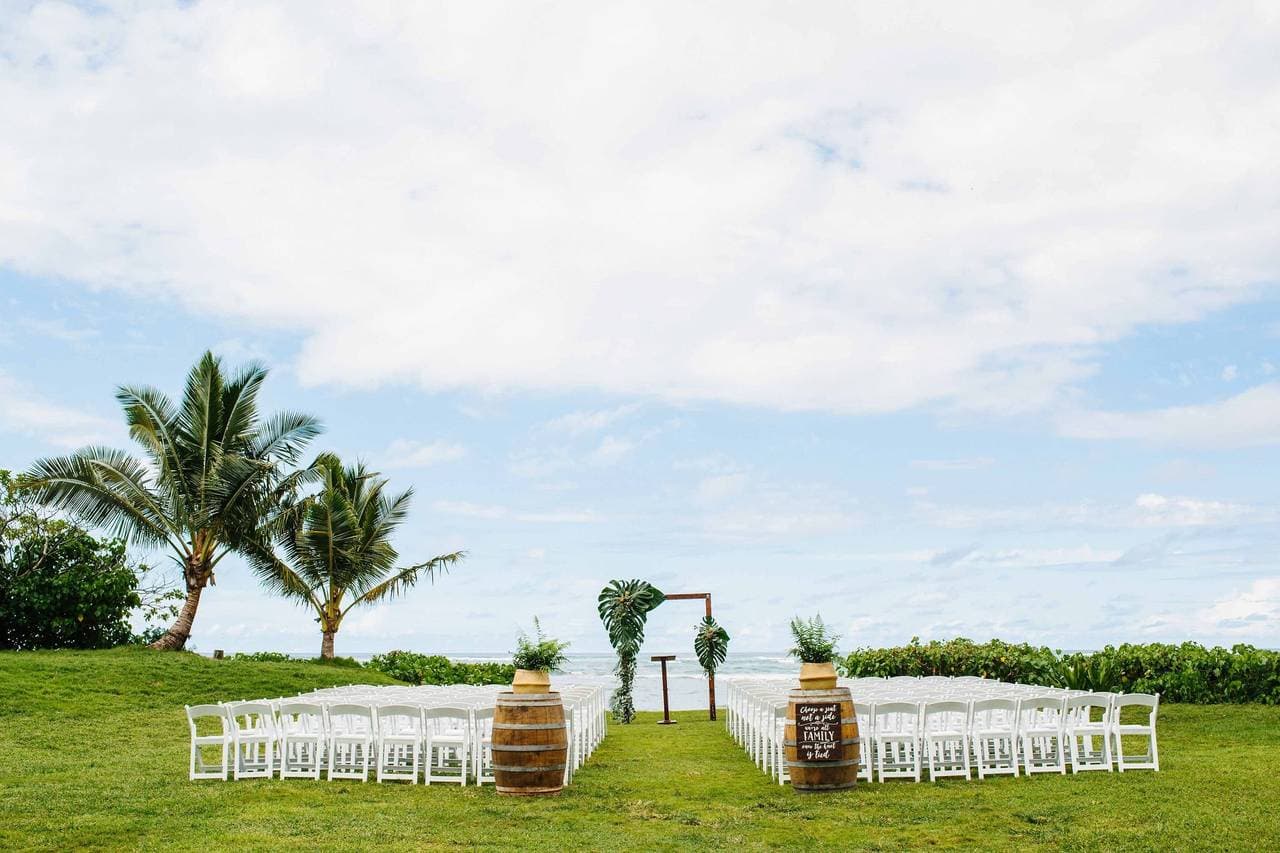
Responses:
[326,646]
[196,572]
[176,637]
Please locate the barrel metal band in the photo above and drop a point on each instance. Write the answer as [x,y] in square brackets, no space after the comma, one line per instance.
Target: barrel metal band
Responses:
[531,727]
[505,768]
[529,747]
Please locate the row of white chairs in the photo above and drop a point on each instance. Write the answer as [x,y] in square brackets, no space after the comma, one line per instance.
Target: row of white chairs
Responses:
[956,727]
[410,734]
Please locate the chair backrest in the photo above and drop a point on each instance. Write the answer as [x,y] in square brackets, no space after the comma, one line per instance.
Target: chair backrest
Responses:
[446,716]
[198,712]
[1151,701]
[301,717]
[399,719]
[251,716]
[896,717]
[992,712]
[946,714]
[1081,707]
[349,718]
[1041,710]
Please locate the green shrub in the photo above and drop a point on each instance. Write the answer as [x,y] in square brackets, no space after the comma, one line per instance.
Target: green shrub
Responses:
[1184,673]
[262,657]
[438,669]
[61,588]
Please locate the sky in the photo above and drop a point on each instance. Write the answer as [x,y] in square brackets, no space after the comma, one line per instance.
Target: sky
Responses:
[939,320]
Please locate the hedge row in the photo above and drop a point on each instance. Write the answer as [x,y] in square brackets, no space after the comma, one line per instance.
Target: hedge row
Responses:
[437,669]
[1184,673]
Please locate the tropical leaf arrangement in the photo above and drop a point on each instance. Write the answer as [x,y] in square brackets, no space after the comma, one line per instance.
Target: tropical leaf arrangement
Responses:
[710,644]
[624,607]
[814,643]
[540,652]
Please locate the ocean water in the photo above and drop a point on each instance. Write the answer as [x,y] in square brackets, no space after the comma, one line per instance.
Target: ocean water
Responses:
[686,685]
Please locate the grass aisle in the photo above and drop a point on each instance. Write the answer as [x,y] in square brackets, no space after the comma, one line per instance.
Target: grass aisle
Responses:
[93,752]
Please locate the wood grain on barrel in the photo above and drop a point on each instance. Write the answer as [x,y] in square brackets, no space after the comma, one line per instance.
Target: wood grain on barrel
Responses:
[530,744]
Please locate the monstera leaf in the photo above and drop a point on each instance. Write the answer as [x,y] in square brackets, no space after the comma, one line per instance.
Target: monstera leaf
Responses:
[710,644]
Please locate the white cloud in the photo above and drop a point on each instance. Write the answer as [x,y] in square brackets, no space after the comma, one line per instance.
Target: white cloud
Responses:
[405,453]
[495,512]
[1229,373]
[577,423]
[1249,419]
[971,464]
[1160,511]
[1147,510]
[27,412]
[611,450]
[654,199]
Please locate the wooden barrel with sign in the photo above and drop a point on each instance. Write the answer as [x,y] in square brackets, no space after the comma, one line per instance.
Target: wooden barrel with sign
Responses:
[530,744]
[821,740]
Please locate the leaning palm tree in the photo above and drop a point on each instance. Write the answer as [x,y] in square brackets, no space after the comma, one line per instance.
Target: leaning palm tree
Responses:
[213,475]
[624,606]
[336,547]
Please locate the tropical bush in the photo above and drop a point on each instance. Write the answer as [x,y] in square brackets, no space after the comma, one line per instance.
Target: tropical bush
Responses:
[437,669]
[66,590]
[814,641]
[263,657]
[542,653]
[60,586]
[1188,672]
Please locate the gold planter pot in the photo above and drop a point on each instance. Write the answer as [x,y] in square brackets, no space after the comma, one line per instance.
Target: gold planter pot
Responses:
[817,676]
[531,681]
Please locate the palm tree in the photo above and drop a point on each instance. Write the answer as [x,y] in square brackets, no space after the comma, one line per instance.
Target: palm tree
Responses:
[337,548]
[624,606]
[212,477]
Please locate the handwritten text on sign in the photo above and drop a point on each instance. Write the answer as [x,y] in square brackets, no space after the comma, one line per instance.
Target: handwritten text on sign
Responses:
[818,732]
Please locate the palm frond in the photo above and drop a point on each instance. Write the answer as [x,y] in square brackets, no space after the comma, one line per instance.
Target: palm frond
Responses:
[406,578]
[105,488]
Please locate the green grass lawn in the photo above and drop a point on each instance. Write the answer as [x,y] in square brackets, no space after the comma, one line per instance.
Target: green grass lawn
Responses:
[93,753]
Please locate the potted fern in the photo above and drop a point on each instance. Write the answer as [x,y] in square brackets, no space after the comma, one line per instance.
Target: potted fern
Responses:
[815,647]
[535,659]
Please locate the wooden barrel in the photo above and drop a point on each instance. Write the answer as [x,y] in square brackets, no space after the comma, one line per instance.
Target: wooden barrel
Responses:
[825,756]
[530,744]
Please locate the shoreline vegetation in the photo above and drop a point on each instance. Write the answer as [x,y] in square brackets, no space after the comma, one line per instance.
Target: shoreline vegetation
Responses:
[95,747]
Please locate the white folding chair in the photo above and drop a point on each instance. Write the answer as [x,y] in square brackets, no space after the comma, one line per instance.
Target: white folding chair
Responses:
[1147,730]
[199,742]
[302,740]
[352,735]
[945,727]
[1089,740]
[447,743]
[399,733]
[993,730]
[483,745]
[1041,727]
[866,715]
[253,739]
[897,726]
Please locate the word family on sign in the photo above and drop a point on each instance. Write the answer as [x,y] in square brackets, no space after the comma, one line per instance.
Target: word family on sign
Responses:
[818,732]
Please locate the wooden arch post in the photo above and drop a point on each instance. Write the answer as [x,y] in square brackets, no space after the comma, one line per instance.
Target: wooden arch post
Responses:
[711,679]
